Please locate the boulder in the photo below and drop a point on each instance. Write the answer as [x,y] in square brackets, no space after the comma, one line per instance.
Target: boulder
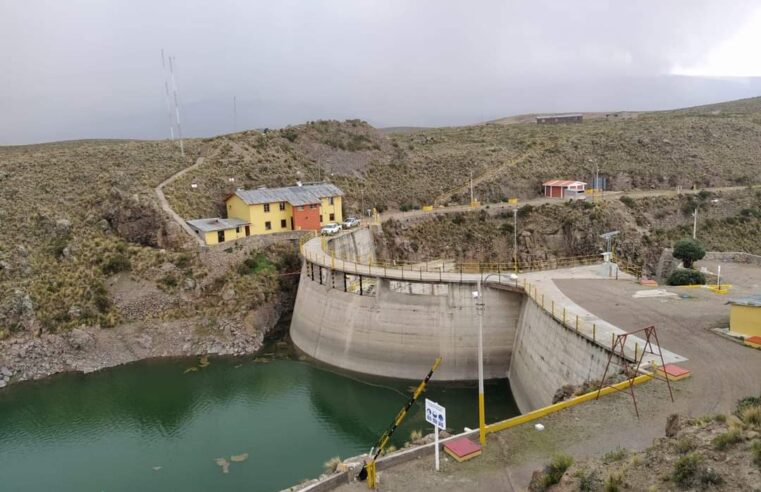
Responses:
[79,339]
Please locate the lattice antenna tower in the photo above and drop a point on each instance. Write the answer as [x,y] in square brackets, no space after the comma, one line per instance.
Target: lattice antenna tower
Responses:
[176,99]
[166,96]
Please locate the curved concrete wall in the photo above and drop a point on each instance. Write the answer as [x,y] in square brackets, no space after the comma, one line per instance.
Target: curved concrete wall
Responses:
[396,328]
[399,334]
[548,355]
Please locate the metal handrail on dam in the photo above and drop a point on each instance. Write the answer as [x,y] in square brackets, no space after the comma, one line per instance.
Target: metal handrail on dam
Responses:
[317,250]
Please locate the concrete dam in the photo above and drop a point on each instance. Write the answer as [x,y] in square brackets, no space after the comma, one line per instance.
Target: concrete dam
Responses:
[394,321]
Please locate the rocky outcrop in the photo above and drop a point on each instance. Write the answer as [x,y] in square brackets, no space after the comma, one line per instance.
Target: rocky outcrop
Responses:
[91,348]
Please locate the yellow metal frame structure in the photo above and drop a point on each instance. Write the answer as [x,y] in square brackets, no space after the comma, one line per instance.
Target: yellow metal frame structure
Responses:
[368,471]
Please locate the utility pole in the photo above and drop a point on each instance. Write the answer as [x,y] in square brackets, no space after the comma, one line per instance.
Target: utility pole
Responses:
[471,187]
[515,239]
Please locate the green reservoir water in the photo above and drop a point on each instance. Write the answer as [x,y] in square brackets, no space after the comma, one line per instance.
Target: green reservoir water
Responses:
[112,430]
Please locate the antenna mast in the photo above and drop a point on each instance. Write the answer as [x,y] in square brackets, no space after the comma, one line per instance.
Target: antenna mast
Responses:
[166,96]
[172,64]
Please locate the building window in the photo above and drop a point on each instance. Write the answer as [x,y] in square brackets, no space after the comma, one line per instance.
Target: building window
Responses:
[237,230]
[282,205]
[321,219]
[301,207]
[332,217]
[266,207]
[268,226]
[314,205]
[283,224]
[221,236]
[330,200]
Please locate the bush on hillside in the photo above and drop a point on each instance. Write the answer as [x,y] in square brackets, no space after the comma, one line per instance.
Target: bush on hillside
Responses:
[686,276]
[689,251]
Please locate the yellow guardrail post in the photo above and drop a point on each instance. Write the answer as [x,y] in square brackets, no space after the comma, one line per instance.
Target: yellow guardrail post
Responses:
[594,332]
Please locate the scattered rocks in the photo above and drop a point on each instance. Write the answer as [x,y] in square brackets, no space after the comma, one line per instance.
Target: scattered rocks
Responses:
[672,425]
[79,339]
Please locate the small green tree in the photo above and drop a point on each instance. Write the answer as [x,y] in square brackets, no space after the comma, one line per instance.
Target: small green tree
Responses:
[689,251]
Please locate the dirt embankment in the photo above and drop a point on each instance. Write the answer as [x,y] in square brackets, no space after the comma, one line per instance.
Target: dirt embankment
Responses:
[646,226]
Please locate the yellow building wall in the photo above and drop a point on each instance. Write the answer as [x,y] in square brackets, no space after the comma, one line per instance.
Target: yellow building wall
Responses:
[255,214]
[745,320]
[211,238]
[326,209]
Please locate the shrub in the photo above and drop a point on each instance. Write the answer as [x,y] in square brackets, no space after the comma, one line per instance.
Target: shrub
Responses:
[506,229]
[587,480]
[727,439]
[686,469]
[525,211]
[115,264]
[684,445]
[555,470]
[689,251]
[614,482]
[258,262]
[755,451]
[615,455]
[168,280]
[689,470]
[686,276]
[748,401]
[751,415]
[628,201]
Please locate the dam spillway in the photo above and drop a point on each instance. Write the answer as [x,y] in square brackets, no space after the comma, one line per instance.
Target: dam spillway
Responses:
[385,321]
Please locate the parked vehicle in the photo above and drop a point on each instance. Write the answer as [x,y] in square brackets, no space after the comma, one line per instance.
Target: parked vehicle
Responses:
[330,229]
[350,222]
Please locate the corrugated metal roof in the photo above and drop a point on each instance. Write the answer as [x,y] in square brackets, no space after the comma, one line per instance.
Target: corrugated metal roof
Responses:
[562,182]
[215,224]
[295,195]
[754,300]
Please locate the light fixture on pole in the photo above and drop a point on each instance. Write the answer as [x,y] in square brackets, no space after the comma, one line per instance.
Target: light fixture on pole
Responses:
[478,298]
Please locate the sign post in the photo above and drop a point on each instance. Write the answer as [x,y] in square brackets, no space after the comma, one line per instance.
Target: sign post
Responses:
[436,415]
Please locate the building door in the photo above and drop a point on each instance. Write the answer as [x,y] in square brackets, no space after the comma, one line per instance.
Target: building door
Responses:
[291,223]
[248,231]
[221,236]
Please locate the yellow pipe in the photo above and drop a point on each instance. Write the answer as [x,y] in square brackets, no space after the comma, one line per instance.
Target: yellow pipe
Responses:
[541,412]
[481,419]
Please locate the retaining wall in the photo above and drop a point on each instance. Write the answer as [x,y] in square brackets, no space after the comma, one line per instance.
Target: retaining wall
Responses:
[547,355]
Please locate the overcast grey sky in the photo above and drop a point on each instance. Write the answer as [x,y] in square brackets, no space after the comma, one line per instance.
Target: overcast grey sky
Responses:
[92,68]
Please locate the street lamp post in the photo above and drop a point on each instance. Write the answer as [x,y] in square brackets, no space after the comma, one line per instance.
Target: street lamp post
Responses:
[481,402]
[695,222]
[480,305]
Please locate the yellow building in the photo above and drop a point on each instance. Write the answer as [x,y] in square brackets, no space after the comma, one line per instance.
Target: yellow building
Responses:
[216,230]
[292,208]
[745,316]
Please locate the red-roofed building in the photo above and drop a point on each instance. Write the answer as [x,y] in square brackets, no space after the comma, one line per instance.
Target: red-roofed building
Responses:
[562,188]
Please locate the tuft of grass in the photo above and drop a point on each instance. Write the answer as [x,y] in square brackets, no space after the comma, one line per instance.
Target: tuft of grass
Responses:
[331,465]
[587,480]
[720,417]
[726,439]
[614,482]
[684,445]
[615,455]
[751,415]
[755,452]
[416,435]
[556,469]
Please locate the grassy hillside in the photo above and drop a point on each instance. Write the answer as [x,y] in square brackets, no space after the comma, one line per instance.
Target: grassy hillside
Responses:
[705,146]
[73,213]
[78,212]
